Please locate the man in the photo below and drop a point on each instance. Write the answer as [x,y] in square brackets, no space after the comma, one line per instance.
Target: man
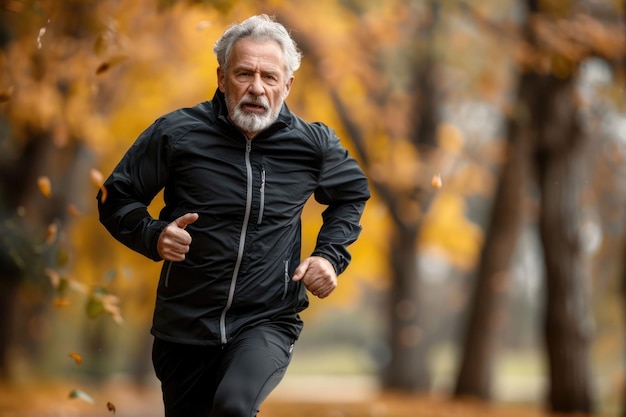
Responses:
[236,173]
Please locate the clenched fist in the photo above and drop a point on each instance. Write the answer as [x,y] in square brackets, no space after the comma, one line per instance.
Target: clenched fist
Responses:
[318,276]
[174,240]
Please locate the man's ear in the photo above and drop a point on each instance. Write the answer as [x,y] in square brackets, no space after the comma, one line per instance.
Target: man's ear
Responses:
[288,87]
[220,79]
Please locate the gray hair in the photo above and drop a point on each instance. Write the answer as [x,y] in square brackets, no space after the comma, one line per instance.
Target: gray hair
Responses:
[261,28]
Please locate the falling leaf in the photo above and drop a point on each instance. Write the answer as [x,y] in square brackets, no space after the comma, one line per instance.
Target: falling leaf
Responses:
[42,32]
[78,394]
[98,181]
[61,302]
[45,186]
[436,181]
[94,307]
[107,65]
[100,302]
[52,232]
[96,178]
[110,304]
[55,278]
[100,44]
[61,285]
[111,407]
[77,286]
[74,211]
[77,358]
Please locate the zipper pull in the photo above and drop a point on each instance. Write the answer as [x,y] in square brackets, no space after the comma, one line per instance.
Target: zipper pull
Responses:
[248,145]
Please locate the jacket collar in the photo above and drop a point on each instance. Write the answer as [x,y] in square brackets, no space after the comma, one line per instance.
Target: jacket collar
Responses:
[285,117]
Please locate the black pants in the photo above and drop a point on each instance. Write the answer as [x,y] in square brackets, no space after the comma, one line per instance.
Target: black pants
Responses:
[222,381]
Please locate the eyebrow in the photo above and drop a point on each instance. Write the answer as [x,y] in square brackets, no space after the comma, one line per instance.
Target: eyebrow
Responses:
[243,67]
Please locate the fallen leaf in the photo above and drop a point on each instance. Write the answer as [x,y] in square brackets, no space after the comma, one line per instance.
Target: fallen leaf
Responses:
[78,394]
[45,187]
[111,407]
[77,358]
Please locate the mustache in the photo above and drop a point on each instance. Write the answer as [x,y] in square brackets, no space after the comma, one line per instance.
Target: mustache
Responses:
[255,100]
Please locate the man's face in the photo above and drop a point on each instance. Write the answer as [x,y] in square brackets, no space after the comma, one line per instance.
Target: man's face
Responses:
[255,84]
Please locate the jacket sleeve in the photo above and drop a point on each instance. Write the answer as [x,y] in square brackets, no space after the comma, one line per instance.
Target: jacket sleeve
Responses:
[343,187]
[135,181]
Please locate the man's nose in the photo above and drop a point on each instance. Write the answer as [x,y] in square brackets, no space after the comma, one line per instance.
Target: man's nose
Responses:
[256,86]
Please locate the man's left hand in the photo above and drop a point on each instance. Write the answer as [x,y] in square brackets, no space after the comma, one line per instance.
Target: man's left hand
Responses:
[318,276]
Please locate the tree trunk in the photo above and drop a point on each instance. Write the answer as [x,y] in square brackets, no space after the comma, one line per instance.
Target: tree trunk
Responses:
[475,372]
[407,370]
[568,321]
[409,340]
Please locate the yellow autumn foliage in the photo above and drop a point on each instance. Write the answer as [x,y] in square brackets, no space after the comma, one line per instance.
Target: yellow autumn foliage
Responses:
[446,227]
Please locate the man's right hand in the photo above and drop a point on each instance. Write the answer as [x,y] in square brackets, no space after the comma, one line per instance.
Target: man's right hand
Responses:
[174,240]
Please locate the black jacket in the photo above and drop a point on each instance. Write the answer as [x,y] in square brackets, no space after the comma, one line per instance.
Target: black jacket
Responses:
[249,195]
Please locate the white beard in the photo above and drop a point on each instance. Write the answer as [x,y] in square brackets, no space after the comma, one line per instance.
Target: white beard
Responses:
[252,122]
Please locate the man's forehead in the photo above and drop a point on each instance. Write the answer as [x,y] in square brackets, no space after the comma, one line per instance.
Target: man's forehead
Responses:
[252,51]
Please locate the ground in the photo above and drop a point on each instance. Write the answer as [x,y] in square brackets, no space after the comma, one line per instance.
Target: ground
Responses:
[294,399]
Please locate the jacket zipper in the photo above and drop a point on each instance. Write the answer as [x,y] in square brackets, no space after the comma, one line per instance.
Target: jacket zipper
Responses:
[262,190]
[242,241]
[287,279]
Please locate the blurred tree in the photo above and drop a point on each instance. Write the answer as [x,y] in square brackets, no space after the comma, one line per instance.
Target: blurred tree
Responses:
[545,126]
[474,377]
[476,363]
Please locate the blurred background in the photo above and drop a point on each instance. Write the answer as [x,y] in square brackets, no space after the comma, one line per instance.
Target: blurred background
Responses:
[493,132]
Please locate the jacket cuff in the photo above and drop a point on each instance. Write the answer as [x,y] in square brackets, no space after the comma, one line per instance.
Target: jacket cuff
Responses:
[156,229]
[332,262]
